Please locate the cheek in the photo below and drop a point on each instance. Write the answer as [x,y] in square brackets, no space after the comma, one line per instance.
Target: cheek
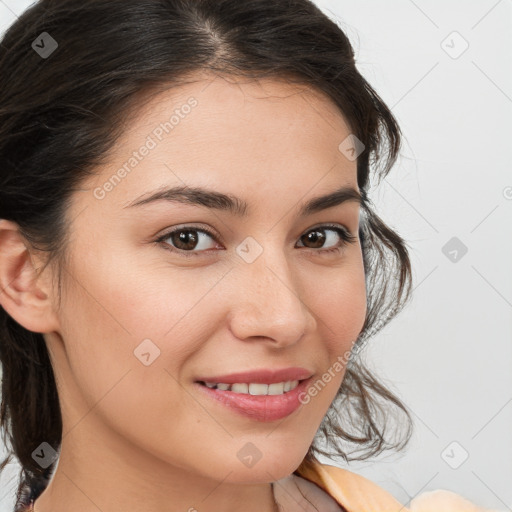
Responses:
[116,319]
[338,298]
[340,306]
[122,312]
[131,327]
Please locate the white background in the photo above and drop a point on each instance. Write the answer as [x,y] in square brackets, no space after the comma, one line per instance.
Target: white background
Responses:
[449,353]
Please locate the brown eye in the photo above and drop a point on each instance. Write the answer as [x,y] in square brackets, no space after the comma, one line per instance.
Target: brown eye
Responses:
[184,239]
[188,240]
[317,237]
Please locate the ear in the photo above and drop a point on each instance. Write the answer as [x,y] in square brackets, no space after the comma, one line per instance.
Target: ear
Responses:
[24,295]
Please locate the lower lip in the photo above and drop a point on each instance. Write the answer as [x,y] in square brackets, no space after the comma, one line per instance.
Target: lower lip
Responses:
[259,407]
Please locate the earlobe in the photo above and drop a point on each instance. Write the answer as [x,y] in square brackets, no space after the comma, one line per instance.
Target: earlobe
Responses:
[23,294]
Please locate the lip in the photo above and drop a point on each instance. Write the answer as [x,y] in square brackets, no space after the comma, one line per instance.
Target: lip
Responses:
[263,408]
[262,376]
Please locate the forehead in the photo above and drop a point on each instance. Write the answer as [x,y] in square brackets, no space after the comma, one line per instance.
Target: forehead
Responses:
[232,135]
[233,109]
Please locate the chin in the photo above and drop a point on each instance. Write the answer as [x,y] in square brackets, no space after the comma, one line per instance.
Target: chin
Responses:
[269,468]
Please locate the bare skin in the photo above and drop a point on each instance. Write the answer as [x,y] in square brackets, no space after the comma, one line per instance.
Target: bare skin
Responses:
[139,437]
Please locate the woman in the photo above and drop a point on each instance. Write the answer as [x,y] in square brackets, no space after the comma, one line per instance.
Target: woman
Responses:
[186,227]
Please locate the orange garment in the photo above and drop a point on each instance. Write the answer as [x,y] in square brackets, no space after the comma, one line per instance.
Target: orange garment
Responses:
[358,494]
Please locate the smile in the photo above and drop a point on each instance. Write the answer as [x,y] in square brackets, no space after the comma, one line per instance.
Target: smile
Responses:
[257,401]
[255,388]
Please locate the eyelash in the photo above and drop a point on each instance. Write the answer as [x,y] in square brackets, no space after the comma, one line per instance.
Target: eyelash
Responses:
[346,236]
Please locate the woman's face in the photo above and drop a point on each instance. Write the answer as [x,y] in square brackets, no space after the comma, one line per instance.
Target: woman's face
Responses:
[140,323]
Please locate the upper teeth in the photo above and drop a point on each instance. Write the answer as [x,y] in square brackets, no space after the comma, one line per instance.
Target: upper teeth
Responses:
[277,388]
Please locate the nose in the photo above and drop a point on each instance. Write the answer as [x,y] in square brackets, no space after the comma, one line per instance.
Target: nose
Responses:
[268,303]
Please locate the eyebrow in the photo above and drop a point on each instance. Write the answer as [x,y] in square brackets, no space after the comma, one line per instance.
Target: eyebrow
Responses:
[227,202]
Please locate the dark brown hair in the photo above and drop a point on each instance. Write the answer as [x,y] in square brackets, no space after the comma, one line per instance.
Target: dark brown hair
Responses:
[60,115]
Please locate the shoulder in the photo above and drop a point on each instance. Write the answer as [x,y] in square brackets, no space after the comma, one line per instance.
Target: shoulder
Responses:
[352,491]
[358,494]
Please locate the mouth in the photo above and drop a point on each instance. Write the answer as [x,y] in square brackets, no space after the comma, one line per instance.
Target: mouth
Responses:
[258,401]
[254,388]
